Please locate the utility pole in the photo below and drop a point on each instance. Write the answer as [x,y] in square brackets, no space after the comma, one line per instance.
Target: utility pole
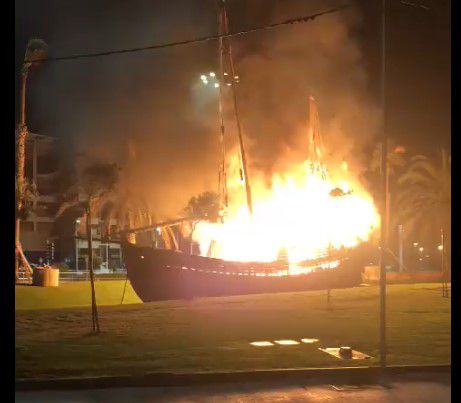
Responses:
[400,229]
[384,208]
[385,190]
[444,272]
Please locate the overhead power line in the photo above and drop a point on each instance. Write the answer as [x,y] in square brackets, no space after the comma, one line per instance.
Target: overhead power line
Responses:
[303,19]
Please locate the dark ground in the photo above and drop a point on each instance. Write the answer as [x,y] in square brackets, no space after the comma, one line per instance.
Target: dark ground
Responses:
[214,334]
[437,390]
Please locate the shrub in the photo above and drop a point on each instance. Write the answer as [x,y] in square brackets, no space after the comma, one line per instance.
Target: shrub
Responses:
[61,266]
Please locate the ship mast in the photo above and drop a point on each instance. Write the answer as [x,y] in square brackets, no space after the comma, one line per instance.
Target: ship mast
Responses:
[315,145]
[226,51]
[222,169]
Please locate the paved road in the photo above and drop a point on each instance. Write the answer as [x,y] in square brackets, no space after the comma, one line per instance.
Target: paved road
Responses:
[395,392]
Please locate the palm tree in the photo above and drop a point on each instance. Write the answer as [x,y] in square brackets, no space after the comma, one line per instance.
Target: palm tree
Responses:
[93,185]
[395,157]
[395,163]
[29,194]
[425,198]
[36,51]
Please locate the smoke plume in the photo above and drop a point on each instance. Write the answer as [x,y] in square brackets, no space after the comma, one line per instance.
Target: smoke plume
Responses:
[153,103]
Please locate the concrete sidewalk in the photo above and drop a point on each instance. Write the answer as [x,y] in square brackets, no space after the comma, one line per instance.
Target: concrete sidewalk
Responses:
[437,390]
[413,392]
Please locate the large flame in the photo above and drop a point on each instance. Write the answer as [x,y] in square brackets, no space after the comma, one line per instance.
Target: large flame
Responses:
[298,214]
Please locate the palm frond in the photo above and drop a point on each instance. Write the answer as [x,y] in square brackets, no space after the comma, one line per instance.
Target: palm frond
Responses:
[425,195]
[36,50]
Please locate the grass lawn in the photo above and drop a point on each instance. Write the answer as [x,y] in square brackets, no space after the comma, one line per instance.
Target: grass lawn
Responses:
[74,294]
[213,334]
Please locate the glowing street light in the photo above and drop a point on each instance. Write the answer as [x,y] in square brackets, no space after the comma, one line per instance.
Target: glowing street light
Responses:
[210,79]
[421,249]
[415,244]
[440,247]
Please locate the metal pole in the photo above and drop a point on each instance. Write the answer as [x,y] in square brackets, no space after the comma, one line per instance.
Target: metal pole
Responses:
[444,282]
[76,254]
[401,248]
[222,174]
[382,277]
[76,245]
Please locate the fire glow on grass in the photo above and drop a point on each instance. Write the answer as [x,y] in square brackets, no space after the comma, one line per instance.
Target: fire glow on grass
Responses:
[297,213]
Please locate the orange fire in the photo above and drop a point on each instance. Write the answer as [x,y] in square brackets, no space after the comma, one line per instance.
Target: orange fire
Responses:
[302,212]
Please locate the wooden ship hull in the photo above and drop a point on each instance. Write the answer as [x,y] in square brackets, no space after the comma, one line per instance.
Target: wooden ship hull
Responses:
[162,274]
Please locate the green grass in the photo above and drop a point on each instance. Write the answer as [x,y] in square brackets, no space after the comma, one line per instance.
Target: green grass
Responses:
[74,294]
[213,334]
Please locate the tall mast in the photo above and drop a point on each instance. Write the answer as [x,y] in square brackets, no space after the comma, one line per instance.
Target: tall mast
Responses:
[315,145]
[225,48]
[222,170]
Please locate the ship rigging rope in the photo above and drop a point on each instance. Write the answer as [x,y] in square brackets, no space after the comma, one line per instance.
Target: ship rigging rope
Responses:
[290,21]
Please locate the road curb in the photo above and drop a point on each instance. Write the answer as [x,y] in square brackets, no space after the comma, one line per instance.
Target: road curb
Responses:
[350,375]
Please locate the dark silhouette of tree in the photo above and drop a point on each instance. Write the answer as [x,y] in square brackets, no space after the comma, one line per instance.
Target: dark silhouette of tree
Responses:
[204,207]
[425,198]
[93,185]
[35,51]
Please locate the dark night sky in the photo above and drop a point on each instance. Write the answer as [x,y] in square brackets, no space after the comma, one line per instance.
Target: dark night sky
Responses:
[418,43]
[418,64]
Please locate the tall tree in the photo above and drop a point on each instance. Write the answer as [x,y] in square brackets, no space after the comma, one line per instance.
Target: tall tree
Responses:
[35,52]
[396,162]
[425,199]
[94,184]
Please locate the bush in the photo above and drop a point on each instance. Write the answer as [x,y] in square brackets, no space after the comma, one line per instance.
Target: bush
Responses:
[61,266]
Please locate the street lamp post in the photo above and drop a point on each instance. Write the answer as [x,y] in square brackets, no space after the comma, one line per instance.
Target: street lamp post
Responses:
[77,222]
[444,274]
[400,229]
[384,208]
[385,187]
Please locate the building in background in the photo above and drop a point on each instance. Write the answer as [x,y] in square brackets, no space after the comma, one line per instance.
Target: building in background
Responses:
[107,252]
[42,169]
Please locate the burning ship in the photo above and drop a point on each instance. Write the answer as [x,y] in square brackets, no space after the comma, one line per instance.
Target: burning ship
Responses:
[306,233]
[270,247]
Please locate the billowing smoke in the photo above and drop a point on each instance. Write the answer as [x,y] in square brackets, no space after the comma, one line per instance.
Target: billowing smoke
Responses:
[321,59]
[155,102]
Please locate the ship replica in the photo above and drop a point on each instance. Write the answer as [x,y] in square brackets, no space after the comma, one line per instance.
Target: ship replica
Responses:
[168,273]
